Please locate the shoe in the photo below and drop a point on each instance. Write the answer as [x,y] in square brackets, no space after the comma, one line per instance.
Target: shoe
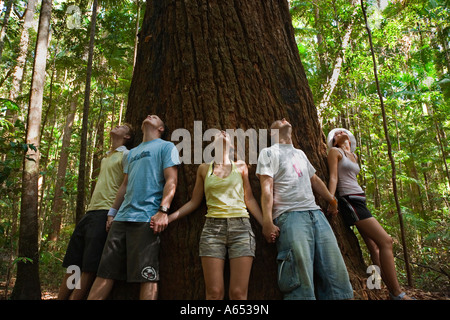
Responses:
[401,296]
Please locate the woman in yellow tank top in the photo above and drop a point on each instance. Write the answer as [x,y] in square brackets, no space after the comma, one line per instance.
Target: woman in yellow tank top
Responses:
[227,229]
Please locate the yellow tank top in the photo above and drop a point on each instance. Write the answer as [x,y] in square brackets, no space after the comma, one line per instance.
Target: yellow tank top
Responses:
[225,196]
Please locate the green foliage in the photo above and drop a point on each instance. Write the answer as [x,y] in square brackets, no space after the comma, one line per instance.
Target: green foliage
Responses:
[413,69]
[12,148]
[65,79]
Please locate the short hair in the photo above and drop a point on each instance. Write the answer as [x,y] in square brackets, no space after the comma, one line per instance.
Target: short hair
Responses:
[165,133]
[271,128]
[130,141]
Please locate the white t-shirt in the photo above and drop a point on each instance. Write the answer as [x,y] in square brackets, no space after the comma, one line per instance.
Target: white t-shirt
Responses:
[291,172]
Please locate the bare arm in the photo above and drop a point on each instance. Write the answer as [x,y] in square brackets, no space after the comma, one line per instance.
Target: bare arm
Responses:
[160,220]
[250,201]
[269,229]
[197,196]
[333,160]
[120,196]
[319,186]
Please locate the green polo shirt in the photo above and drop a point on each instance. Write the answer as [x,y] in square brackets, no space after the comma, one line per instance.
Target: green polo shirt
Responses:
[109,180]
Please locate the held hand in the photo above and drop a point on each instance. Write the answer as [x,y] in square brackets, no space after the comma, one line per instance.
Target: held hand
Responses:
[332,209]
[109,222]
[274,236]
[159,222]
[271,232]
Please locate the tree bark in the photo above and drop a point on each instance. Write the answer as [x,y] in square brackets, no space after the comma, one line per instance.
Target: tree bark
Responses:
[56,214]
[228,64]
[81,184]
[9,5]
[320,42]
[27,284]
[98,152]
[136,32]
[23,50]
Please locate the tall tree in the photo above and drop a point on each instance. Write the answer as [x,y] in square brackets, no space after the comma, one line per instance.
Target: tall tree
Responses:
[228,64]
[84,129]
[9,5]
[333,80]
[388,141]
[61,174]
[27,284]
[23,49]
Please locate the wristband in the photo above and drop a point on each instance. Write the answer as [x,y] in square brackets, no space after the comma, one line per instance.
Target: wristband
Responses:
[164,209]
[334,201]
[112,212]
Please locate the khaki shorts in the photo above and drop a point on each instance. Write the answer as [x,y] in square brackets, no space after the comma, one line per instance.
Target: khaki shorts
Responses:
[131,253]
[227,235]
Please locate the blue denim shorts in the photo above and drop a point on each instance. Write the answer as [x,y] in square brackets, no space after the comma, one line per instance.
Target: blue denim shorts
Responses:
[227,235]
[308,253]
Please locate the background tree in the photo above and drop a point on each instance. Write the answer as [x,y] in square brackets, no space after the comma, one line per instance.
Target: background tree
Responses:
[23,50]
[9,5]
[409,83]
[388,141]
[27,285]
[57,204]
[84,129]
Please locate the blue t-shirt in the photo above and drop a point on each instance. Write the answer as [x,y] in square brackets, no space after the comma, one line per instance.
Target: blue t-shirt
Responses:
[145,169]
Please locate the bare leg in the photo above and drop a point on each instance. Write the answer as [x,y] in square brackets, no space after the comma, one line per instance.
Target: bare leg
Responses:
[213,274]
[240,269]
[373,250]
[100,289]
[370,228]
[149,291]
[64,291]
[86,280]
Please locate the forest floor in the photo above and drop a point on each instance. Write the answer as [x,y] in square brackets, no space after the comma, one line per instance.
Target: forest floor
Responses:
[52,293]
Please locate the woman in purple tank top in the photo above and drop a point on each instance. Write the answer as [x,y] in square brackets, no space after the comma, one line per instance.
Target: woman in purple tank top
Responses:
[344,168]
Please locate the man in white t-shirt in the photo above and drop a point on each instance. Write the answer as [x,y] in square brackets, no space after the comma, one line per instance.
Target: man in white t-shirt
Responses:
[308,252]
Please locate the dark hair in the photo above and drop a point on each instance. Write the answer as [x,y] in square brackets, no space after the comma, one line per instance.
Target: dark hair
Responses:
[165,133]
[130,141]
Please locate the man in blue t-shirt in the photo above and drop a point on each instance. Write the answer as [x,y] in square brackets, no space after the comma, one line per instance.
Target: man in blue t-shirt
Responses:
[132,248]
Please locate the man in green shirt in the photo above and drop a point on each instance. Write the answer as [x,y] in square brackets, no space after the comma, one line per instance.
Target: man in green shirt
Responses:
[88,239]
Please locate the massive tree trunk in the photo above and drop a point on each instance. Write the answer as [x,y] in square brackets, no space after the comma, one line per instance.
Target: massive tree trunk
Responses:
[228,64]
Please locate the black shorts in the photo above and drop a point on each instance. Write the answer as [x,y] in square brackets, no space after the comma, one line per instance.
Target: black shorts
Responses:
[87,242]
[131,253]
[353,208]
